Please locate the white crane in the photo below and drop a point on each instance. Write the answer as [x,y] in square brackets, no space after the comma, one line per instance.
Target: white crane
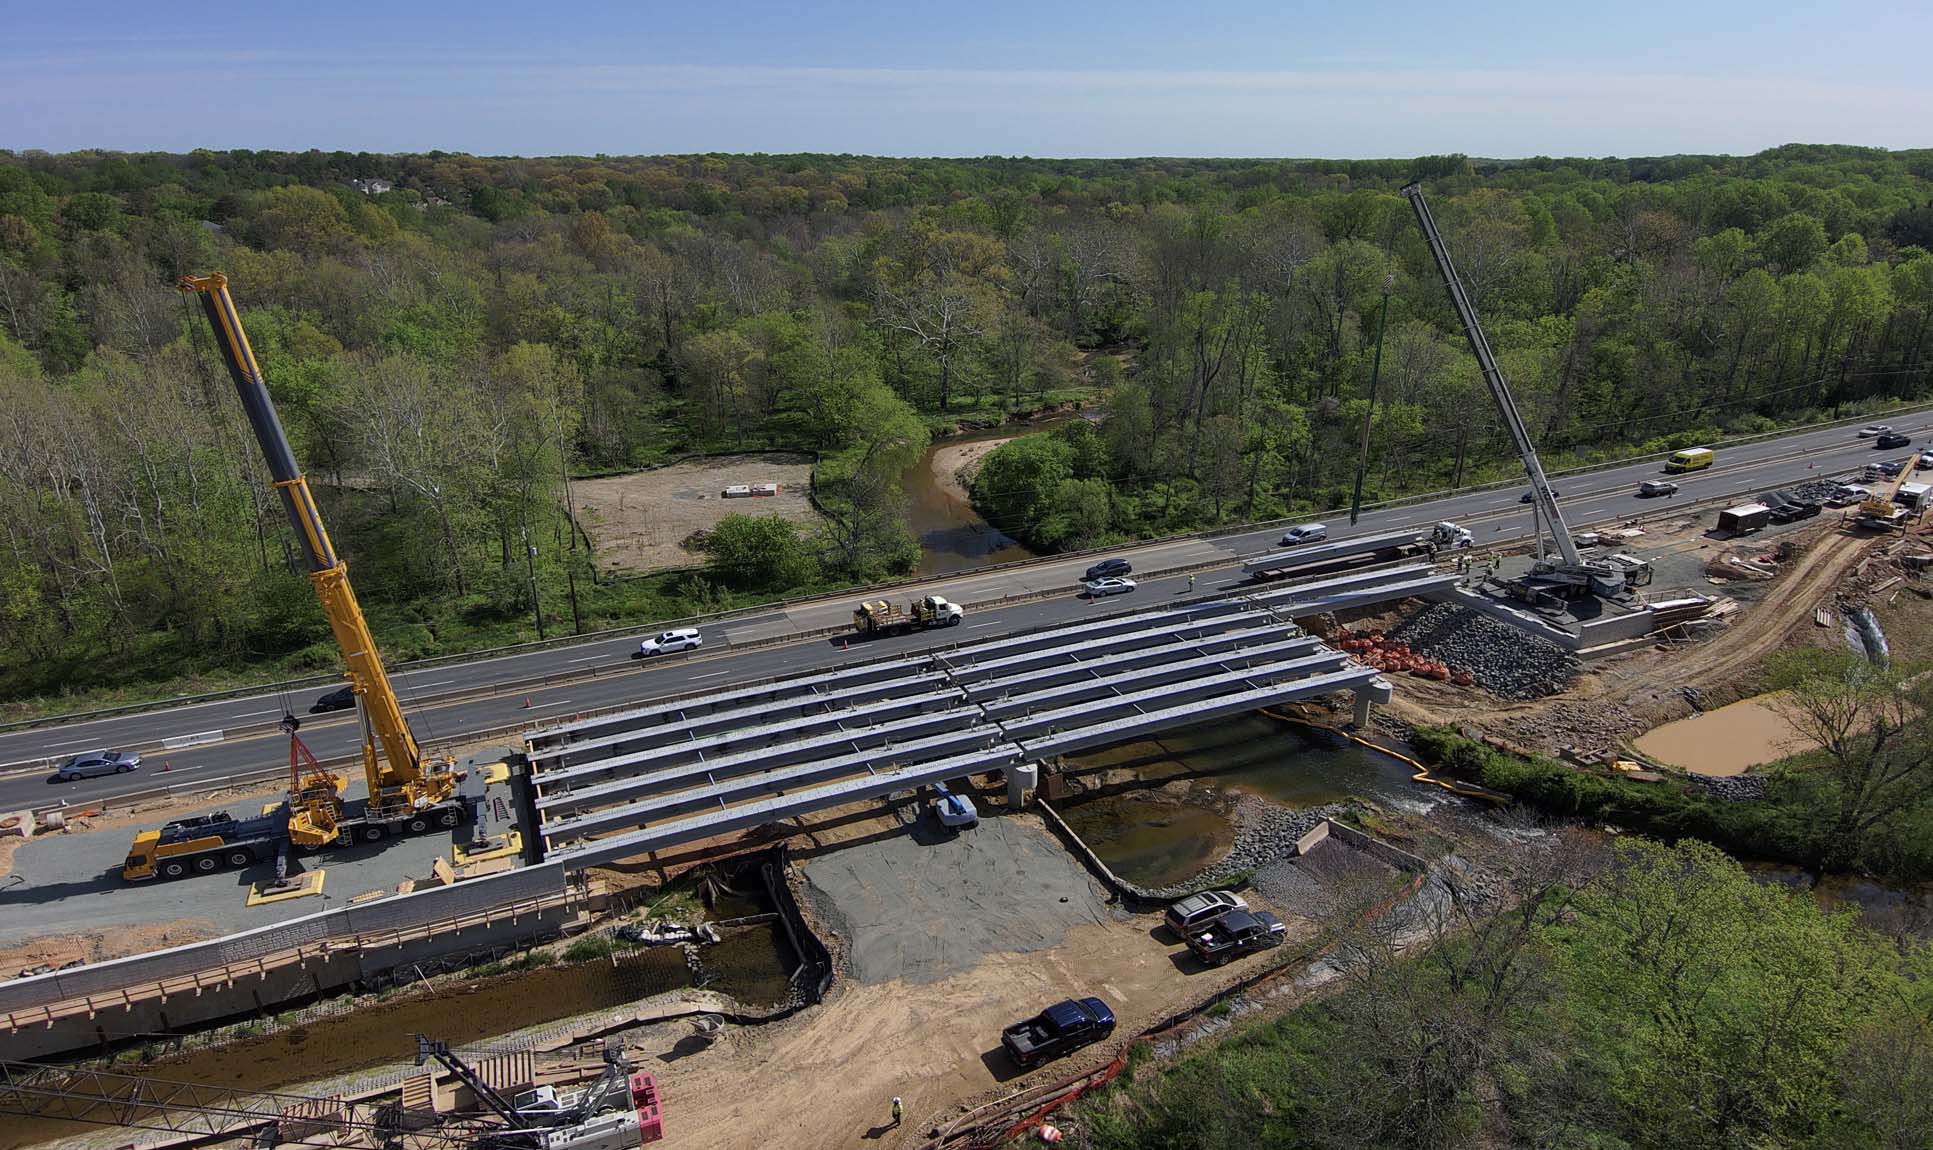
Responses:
[1595,575]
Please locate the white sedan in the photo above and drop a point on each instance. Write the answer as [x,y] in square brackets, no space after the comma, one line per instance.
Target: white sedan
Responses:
[1096,588]
[682,639]
[1874,429]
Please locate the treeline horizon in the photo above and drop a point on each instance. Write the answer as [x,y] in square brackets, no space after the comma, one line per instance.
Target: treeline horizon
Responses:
[447,336]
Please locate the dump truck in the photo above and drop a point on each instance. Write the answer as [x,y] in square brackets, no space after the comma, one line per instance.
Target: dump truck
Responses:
[884,617]
[205,844]
[1062,1027]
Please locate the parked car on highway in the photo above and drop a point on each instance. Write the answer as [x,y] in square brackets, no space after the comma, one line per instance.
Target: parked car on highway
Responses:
[340,699]
[1188,915]
[1654,487]
[1096,588]
[678,639]
[1892,439]
[1525,497]
[93,764]
[1307,533]
[1237,933]
[1062,1027]
[1107,569]
[1874,429]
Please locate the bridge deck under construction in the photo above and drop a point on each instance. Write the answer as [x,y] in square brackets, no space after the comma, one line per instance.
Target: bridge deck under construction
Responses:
[681,770]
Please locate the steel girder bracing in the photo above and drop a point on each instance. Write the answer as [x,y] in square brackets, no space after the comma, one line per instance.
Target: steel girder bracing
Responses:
[672,773]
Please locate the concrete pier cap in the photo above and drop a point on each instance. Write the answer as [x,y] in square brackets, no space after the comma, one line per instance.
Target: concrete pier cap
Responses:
[1021,778]
[1376,690]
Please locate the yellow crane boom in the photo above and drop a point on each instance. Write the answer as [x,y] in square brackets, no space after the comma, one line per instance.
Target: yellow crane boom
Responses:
[400,779]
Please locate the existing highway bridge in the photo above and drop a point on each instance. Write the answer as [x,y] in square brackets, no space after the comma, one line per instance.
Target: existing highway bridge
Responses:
[453,700]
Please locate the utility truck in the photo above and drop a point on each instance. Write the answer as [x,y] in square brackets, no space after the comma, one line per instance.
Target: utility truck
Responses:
[884,617]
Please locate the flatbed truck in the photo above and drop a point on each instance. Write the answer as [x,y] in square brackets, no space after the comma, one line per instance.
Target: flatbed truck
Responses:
[884,617]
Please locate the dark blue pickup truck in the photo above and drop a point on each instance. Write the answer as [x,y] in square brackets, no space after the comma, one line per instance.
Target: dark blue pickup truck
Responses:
[1060,1028]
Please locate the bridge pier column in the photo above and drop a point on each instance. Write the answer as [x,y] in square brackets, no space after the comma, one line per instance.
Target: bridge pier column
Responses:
[1374,691]
[1021,778]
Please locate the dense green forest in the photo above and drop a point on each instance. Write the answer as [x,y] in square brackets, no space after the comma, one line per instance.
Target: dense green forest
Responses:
[447,336]
[1655,997]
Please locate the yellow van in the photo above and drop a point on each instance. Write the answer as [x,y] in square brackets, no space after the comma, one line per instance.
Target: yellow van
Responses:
[1690,459]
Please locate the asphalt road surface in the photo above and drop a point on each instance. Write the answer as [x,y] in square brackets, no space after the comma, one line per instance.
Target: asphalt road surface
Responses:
[1495,516]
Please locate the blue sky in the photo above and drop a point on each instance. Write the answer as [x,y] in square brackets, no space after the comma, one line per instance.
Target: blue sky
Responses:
[1086,78]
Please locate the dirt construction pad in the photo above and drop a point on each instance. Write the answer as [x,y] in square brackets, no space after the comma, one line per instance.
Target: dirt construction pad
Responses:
[922,907]
[639,522]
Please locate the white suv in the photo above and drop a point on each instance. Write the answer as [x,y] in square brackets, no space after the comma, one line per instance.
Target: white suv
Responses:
[682,639]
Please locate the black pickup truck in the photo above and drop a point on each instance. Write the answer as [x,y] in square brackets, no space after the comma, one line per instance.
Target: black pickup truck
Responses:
[1237,933]
[1060,1028]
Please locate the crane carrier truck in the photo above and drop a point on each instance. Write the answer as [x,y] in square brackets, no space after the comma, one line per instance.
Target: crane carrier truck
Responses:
[409,792]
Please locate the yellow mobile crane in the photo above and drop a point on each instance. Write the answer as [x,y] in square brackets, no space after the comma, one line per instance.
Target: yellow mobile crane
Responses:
[408,793]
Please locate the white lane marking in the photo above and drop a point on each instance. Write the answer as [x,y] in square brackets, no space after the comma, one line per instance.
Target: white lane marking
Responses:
[711,675]
[438,683]
[68,743]
[252,714]
[590,658]
[541,706]
[995,623]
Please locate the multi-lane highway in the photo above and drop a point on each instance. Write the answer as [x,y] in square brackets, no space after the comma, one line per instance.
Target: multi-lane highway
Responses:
[449,701]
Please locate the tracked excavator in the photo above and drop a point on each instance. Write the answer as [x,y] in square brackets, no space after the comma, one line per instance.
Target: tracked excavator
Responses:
[409,792]
[1569,574]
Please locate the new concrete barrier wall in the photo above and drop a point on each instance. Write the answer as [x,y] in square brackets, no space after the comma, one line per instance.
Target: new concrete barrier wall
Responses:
[407,912]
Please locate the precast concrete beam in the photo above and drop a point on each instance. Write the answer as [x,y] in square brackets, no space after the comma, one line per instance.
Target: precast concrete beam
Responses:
[676,728]
[1092,711]
[1103,692]
[1082,738]
[703,826]
[786,780]
[1247,644]
[1275,593]
[662,778]
[1232,626]
[1151,619]
[721,742]
[1302,608]
[1330,552]
[678,708]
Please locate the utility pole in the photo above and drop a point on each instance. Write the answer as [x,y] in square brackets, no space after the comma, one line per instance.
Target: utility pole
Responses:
[530,568]
[1375,373]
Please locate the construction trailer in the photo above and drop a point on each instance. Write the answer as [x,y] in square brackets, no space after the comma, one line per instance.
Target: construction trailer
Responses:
[1744,518]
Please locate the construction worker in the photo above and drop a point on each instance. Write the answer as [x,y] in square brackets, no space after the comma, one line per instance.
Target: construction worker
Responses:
[1191,582]
[898,1110]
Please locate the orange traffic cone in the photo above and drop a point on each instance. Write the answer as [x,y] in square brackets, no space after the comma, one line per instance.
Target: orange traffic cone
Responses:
[167,765]
[526,702]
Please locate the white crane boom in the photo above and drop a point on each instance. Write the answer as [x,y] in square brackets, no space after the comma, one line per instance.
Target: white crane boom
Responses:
[1493,376]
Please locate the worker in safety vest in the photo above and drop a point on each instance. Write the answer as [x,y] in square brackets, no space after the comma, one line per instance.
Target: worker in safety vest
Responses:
[898,1110]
